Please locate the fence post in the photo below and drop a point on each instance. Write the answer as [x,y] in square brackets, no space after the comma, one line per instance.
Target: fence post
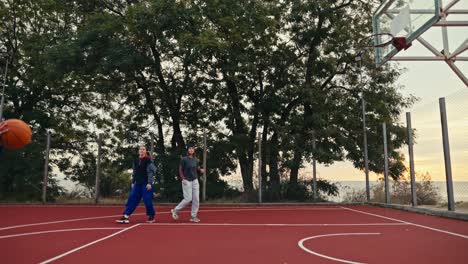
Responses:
[259,167]
[2,102]
[414,199]
[46,169]
[151,147]
[98,169]
[314,169]
[448,162]
[366,158]
[204,166]
[387,187]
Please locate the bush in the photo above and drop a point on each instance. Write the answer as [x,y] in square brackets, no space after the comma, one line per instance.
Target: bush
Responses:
[400,193]
[426,192]
[354,196]
[297,192]
[301,191]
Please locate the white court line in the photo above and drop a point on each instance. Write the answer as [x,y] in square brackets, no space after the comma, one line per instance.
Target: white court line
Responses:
[285,225]
[201,211]
[270,209]
[164,206]
[409,223]
[55,206]
[63,221]
[87,245]
[301,245]
[60,230]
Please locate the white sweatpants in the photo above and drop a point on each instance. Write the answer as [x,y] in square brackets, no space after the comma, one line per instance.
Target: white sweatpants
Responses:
[191,194]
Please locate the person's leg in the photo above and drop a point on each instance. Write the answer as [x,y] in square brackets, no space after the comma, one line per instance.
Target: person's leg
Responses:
[148,199]
[133,200]
[187,189]
[195,198]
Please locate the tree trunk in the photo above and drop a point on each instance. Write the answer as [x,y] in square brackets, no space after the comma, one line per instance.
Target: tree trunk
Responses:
[152,108]
[239,130]
[274,142]
[274,154]
[177,141]
[293,179]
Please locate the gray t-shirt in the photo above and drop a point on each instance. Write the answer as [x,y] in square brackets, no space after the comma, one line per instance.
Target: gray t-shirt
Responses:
[188,167]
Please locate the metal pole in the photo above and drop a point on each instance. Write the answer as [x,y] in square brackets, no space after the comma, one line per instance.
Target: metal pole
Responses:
[314,169]
[3,90]
[152,147]
[387,189]
[366,158]
[414,199]
[448,162]
[204,166]
[98,169]
[445,40]
[259,167]
[46,169]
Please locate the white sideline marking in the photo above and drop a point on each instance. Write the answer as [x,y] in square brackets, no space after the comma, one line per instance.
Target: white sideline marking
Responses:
[60,230]
[56,206]
[62,221]
[87,245]
[286,225]
[202,211]
[409,223]
[301,245]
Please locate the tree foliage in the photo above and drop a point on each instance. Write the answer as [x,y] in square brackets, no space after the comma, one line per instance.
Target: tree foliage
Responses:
[170,71]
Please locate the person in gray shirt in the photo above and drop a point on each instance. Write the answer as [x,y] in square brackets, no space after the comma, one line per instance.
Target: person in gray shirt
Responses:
[188,172]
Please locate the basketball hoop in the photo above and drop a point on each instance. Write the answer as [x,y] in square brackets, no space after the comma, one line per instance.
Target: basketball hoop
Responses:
[382,41]
[400,43]
[376,41]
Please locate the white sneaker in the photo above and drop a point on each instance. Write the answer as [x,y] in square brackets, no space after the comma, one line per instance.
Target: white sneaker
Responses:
[175,216]
[194,219]
[123,220]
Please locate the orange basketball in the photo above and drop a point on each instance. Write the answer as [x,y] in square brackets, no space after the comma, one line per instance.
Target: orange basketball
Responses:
[18,134]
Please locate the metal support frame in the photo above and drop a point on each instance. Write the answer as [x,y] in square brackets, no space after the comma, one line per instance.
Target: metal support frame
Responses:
[449,57]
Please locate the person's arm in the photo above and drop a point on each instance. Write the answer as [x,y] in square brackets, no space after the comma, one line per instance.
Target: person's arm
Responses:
[181,171]
[151,172]
[133,173]
[199,169]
